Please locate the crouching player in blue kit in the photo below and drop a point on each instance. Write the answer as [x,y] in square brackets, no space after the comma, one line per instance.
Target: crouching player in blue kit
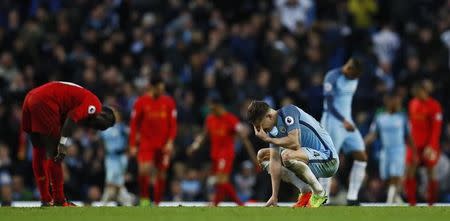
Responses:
[297,142]
[391,126]
[115,142]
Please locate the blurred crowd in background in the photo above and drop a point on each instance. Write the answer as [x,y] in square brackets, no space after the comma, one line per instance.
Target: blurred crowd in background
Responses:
[273,50]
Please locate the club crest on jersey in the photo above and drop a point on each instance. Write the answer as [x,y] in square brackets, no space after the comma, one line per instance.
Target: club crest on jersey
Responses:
[91,109]
[289,120]
[282,129]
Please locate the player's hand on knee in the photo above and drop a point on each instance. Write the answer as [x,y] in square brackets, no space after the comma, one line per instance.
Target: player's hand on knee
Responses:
[61,154]
[348,126]
[273,201]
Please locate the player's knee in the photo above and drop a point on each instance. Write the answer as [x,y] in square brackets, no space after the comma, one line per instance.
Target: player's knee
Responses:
[286,157]
[263,155]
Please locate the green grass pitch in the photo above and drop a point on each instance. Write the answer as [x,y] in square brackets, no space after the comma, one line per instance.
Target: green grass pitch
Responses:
[226,214]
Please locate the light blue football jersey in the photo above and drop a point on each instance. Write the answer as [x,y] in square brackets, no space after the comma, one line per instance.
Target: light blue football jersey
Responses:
[392,129]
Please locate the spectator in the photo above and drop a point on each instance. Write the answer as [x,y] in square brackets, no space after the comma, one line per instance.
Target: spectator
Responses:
[245,181]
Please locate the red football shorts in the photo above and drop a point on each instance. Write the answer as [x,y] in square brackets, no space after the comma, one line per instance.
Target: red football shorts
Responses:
[421,160]
[222,165]
[155,156]
[40,117]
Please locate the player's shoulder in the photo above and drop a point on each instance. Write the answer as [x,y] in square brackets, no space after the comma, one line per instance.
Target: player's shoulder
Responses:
[434,103]
[289,109]
[333,74]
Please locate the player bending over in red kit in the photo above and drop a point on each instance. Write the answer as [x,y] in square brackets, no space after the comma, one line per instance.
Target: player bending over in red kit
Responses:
[153,128]
[425,116]
[221,128]
[49,115]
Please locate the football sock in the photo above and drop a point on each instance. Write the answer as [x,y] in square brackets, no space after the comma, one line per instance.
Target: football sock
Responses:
[219,194]
[357,175]
[432,191]
[231,192]
[159,188]
[304,172]
[108,194]
[57,180]
[392,192]
[144,186]
[124,197]
[40,174]
[289,177]
[326,184]
[410,189]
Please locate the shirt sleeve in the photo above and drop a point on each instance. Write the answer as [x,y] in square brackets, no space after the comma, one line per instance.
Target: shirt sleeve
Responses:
[136,116]
[173,119]
[291,117]
[436,127]
[90,106]
[374,126]
[329,91]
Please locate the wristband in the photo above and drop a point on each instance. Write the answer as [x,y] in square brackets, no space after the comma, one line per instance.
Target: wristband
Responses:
[64,141]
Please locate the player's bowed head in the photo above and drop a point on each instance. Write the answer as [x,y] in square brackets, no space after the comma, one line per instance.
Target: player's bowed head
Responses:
[261,116]
[102,121]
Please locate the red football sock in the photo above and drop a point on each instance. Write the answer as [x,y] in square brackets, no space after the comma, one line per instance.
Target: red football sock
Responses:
[159,190]
[410,189]
[231,192]
[40,174]
[432,191]
[57,180]
[144,185]
[219,195]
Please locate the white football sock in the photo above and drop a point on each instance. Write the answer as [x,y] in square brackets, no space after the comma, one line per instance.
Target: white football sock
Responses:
[289,177]
[304,172]
[326,184]
[357,175]
[125,197]
[392,192]
[108,194]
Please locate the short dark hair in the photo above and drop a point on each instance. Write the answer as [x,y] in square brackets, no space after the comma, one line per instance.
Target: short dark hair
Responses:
[357,64]
[155,79]
[256,111]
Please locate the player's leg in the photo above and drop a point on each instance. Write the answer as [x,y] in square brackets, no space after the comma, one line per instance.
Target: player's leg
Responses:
[145,166]
[55,171]
[337,134]
[410,179]
[40,169]
[123,196]
[354,144]
[222,169]
[110,192]
[286,175]
[162,161]
[433,186]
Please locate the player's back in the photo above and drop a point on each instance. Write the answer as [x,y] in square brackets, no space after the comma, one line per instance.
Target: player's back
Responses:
[312,134]
[64,96]
[342,90]
[392,129]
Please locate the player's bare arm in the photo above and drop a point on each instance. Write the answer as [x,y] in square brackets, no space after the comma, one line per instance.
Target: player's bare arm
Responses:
[370,138]
[242,133]
[66,132]
[290,141]
[198,141]
[275,174]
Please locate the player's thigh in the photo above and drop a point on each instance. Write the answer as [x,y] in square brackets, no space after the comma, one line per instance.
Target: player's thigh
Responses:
[145,161]
[338,135]
[222,165]
[162,160]
[353,143]
[321,164]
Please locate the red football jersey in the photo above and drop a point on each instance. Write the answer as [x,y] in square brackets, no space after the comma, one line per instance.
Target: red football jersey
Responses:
[154,120]
[426,122]
[222,130]
[46,107]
